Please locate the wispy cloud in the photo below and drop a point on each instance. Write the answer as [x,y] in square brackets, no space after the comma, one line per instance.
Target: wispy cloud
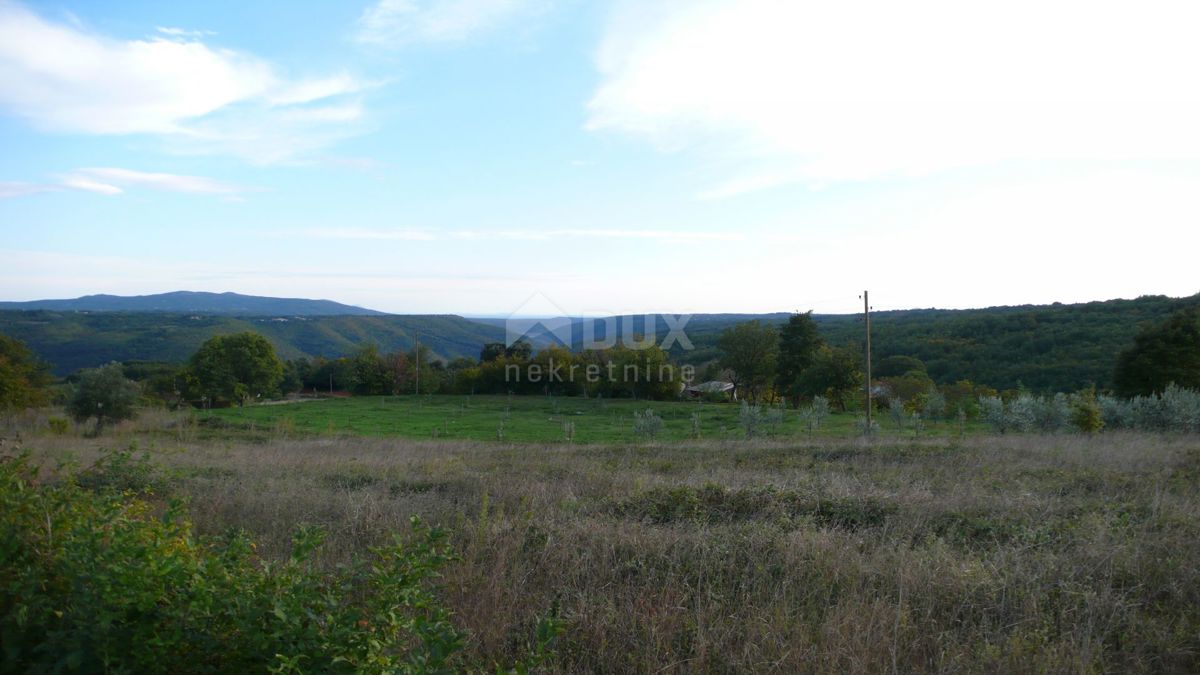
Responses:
[9,189]
[111,180]
[174,32]
[599,233]
[114,181]
[406,234]
[804,91]
[66,78]
[363,233]
[394,23]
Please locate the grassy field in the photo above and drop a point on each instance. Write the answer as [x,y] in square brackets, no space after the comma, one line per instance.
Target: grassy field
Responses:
[976,554]
[532,419]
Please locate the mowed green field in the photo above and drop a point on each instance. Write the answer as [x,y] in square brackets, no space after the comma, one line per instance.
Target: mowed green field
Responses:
[535,419]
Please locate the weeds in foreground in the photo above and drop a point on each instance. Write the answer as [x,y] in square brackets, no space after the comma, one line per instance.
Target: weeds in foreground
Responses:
[96,580]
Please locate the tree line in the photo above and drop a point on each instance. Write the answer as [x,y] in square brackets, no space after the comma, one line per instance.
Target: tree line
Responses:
[791,363]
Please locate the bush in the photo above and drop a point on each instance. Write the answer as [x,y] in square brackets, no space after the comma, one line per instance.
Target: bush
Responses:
[750,417]
[992,409]
[1085,412]
[864,429]
[104,393]
[935,405]
[1115,413]
[58,425]
[820,408]
[647,424]
[897,412]
[96,581]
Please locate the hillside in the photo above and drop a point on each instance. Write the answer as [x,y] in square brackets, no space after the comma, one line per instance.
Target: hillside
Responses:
[73,340]
[193,302]
[1044,347]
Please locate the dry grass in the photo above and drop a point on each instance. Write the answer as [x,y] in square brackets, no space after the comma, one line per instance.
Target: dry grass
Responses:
[1015,554]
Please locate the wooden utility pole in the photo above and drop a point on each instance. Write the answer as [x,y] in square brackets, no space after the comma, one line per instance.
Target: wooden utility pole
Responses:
[417,349]
[867,321]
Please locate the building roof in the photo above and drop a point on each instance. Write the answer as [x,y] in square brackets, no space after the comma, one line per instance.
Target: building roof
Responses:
[711,386]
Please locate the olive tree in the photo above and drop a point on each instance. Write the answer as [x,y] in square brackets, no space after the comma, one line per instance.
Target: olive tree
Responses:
[104,393]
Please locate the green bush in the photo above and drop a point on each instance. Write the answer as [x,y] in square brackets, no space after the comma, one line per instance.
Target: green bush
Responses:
[99,581]
[58,425]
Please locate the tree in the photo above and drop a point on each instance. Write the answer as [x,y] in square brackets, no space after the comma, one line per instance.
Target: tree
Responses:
[235,367]
[23,379]
[799,341]
[750,350]
[491,351]
[104,393]
[1161,354]
[520,350]
[898,364]
[373,375]
[834,373]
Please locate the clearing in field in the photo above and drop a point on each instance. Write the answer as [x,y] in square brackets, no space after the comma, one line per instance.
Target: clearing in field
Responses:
[548,419]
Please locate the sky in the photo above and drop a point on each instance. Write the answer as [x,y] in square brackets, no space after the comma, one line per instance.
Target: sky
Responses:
[484,157]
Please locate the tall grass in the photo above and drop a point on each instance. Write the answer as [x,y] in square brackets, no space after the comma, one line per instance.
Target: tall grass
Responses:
[1006,553]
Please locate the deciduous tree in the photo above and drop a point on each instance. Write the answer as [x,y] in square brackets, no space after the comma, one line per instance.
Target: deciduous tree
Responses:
[23,378]
[799,341]
[235,367]
[834,373]
[1161,354]
[750,351]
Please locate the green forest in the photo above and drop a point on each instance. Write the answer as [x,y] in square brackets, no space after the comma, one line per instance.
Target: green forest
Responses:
[1044,348]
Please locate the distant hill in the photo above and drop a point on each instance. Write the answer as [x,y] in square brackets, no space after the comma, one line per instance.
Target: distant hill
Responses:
[73,340]
[1046,348]
[193,302]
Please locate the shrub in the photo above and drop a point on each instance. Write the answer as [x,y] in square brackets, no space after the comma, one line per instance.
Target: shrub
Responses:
[897,412]
[993,412]
[96,581]
[647,424]
[935,405]
[749,419]
[820,408]
[1115,413]
[774,419]
[865,429]
[1085,412]
[58,425]
[104,393]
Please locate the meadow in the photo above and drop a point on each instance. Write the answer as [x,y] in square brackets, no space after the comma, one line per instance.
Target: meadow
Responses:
[979,553]
[538,419]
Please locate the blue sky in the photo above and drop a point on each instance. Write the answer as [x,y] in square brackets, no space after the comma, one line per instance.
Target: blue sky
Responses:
[466,155]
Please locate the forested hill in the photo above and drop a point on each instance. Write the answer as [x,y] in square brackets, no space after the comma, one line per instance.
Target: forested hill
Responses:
[1043,347]
[194,302]
[73,340]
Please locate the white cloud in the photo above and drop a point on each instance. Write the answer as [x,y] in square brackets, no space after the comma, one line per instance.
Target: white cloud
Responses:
[9,189]
[384,234]
[66,78]
[110,180]
[113,181]
[599,233]
[364,233]
[400,22]
[175,32]
[855,90]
